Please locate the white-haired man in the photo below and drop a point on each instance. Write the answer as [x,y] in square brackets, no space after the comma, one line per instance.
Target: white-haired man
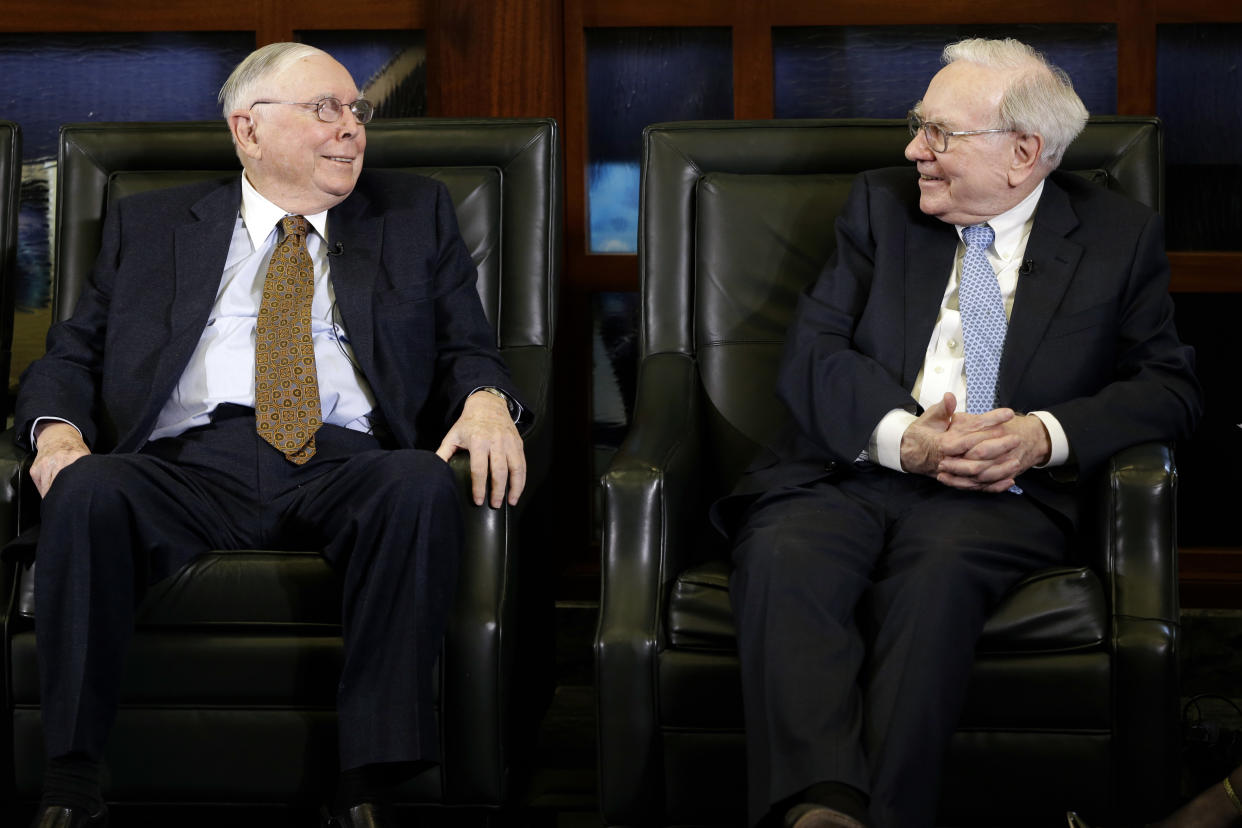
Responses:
[219,339]
[987,331]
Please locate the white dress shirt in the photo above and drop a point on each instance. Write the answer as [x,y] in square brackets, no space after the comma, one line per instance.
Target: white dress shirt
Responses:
[944,365]
[221,369]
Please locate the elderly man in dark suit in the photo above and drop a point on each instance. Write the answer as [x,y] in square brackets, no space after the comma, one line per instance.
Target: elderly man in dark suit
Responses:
[986,334]
[265,351]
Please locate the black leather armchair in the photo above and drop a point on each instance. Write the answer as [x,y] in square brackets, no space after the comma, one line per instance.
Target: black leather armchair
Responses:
[1073,699]
[229,691]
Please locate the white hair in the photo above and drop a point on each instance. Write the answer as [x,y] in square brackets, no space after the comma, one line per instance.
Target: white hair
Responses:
[1039,101]
[256,67]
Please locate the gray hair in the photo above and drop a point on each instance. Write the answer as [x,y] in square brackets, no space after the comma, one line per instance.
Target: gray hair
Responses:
[1040,101]
[257,66]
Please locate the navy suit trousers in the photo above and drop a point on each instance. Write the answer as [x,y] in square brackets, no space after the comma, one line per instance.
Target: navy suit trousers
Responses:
[388,521]
[858,602]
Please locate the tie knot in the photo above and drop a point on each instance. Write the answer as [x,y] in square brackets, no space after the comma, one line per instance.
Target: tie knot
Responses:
[978,235]
[294,226]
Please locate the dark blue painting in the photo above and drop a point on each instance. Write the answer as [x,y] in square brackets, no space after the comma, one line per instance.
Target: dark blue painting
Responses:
[1199,98]
[637,77]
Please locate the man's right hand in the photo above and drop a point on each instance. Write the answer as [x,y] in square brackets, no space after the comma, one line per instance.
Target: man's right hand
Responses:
[59,444]
[938,434]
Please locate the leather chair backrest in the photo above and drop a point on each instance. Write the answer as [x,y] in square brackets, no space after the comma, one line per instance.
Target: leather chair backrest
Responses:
[738,219]
[503,176]
[480,161]
[10,203]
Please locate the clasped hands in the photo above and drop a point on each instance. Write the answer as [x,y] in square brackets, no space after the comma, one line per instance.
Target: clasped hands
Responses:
[979,452]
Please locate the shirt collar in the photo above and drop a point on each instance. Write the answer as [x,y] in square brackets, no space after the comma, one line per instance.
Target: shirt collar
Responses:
[1012,226]
[260,215]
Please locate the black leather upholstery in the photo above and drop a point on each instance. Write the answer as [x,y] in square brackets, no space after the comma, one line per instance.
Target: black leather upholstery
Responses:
[10,200]
[1073,700]
[10,182]
[230,686]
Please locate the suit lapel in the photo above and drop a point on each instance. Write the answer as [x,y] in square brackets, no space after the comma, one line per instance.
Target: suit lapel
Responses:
[200,250]
[930,247]
[1053,259]
[358,234]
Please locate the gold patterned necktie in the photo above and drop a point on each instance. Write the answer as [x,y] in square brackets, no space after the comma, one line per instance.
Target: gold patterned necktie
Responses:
[286,388]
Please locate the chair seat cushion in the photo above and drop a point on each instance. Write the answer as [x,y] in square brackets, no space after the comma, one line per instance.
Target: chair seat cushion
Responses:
[236,588]
[1052,610]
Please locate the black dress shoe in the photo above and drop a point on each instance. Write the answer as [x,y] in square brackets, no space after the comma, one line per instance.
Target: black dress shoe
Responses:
[58,816]
[362,815]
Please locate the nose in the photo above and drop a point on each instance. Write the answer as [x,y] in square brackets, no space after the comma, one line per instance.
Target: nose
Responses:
[918,150]
[347,125]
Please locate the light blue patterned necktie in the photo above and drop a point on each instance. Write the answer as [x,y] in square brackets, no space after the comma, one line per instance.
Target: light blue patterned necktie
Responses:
[983,321]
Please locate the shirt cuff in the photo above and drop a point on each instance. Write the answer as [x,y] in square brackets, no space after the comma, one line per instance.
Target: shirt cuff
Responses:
[1056,435]
[34,427]
[885,445]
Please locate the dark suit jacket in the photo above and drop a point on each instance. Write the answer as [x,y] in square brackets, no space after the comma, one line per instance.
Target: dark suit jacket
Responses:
[405,288]
[1091,338]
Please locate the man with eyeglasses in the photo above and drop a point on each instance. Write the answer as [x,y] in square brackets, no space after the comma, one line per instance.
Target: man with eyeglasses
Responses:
[988,332]
[222,335]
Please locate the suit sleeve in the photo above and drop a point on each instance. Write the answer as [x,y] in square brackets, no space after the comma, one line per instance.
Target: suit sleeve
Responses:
[836,392]
[65,382]
[466,352]
[1152,393]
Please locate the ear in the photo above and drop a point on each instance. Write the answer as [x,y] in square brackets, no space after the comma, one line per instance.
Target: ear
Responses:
[1025,161]
[245,134]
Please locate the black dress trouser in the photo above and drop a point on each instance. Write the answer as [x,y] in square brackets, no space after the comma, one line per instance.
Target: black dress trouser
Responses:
[858,603]
[388,521]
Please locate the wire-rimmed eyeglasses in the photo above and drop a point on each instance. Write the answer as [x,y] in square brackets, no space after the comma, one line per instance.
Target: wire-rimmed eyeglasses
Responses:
[936,135]
[329,110]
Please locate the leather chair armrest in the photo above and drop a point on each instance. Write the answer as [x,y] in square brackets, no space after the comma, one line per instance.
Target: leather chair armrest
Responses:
[476,710]
[19,500]
[651,498]
[19,510]
[1138,532]
[1138,537]
[14,463]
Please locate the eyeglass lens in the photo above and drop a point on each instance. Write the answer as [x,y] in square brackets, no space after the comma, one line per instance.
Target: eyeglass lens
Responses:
[329,110]
[935,136]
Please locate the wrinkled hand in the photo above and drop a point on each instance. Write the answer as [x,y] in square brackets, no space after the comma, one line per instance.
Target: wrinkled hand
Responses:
[993,465]
[59,444]
[941,433]
[487,432]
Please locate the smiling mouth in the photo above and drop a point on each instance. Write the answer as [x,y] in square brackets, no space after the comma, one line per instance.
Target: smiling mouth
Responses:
[342,159]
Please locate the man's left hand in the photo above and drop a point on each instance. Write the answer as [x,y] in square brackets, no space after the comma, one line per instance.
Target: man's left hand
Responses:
[994,465]
[487,432]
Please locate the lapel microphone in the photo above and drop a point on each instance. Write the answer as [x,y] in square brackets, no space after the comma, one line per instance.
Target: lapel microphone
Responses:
[1024,270]
[339,248]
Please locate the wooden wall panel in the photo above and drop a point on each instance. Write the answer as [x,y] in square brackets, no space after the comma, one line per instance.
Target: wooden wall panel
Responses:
[271,20]
[501,58]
